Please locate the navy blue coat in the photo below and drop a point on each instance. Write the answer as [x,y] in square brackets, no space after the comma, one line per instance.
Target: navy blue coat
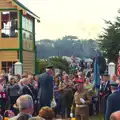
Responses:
[45,89]
[113,104]
[105,90]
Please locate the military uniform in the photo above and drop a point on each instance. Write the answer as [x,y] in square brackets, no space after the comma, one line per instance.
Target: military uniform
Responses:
[90,95]
[104,93]
[81,109]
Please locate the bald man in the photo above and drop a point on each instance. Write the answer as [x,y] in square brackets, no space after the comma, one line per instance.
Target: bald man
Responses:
[115,116]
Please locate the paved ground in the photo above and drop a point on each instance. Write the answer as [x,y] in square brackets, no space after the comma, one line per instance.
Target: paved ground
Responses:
[95,117]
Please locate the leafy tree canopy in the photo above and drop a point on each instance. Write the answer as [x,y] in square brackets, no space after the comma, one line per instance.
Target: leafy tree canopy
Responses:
[109,41]
[57,62]
[67,46]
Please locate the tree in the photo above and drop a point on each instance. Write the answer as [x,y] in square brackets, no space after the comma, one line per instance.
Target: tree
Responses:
[67,46]
[41,64]
[109,41]
[57,62]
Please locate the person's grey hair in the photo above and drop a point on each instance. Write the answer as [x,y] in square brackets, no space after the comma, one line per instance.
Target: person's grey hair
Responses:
[25,102]
[47,69]
[36,118]
[1,118]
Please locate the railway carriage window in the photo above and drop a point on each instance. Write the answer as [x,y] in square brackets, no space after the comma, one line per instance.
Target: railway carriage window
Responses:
[9,24]
[27,28]
[23,22]
[24,34]
[30,26]
[27,35]
[31,36]
[6,65]
[3,64]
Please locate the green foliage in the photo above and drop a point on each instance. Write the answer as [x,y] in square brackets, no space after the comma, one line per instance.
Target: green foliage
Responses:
[60,63]
[109,41]
[95,117]
[41,64]
[57,62]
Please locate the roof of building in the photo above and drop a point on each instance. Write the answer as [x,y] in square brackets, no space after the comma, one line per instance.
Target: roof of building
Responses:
[26,9]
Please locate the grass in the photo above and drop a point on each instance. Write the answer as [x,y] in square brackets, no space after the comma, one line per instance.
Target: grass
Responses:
[95,117]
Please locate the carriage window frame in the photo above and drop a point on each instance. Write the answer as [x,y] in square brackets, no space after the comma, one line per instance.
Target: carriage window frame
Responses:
[5,65]
[27,28]
[17,24]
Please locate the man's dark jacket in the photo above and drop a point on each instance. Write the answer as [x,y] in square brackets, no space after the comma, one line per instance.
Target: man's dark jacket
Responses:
[45,89]
[105,92]
[113,104]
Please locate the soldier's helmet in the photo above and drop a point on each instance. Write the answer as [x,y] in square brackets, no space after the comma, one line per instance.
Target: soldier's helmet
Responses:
[114,84]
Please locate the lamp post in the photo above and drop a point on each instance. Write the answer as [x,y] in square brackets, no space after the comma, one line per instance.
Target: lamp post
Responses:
[18,68]
[111,69]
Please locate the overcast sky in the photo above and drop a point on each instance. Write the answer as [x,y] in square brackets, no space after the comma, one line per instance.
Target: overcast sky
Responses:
[82,18]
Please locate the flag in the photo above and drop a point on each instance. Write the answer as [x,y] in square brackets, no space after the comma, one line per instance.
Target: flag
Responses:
[97,72]
[97,79]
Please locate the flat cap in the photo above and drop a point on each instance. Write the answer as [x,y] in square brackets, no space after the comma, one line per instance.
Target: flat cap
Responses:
[105,74]
[114,84]
[49,66]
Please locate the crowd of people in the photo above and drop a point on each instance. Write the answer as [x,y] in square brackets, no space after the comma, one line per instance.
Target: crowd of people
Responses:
[50,95]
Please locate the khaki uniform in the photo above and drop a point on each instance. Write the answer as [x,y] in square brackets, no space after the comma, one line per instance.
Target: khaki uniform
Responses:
[90,95]
[81,110]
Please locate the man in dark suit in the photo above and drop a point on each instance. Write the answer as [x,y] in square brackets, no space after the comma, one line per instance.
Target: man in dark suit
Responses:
[45,88]
[113,101]
[105,91]
[25,88]
[26,108]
